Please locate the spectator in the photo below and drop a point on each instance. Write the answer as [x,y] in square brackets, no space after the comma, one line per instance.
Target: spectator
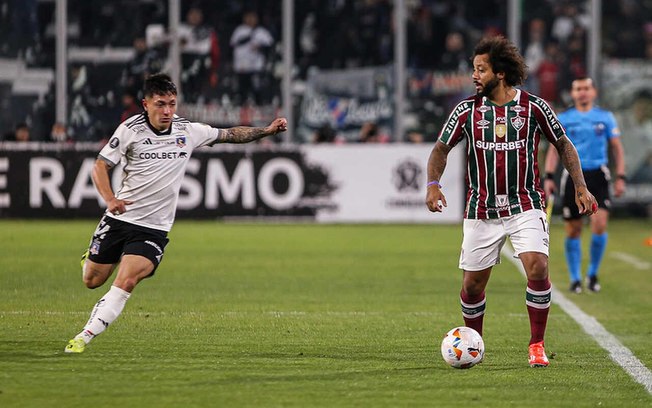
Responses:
[325,134]
[415,137]
[130,104]
[535,52]
[24,28]
[454,57]
[425,38]
[565,22]
[200,55]
[59,133]
[21,133]
[369,133]
[372,31]
[250,43]
[146,61]
[548,74]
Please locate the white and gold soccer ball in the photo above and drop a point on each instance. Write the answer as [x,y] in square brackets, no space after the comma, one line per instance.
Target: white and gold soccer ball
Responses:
[462,347]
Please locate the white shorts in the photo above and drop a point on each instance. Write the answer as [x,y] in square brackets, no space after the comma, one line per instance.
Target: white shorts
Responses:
[483,239]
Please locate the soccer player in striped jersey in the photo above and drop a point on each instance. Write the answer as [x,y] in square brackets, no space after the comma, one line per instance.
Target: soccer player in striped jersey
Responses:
[155,147]
[502,126]
[592,130]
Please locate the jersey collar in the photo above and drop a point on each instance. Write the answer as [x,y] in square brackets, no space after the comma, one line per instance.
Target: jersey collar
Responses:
[156,131]
[514,101]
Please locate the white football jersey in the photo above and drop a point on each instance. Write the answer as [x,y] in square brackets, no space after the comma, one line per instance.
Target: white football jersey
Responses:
[154,166]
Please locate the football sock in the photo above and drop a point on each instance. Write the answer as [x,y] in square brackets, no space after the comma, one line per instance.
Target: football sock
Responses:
[598,245]
[106,310]
[473,310]
[537,299]
[574,258]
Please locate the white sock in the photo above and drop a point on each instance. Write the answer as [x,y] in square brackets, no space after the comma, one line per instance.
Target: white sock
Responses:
[104,313]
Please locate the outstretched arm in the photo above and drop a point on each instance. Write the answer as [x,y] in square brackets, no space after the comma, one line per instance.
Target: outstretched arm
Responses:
[571,161]
[436,166]
[245,134]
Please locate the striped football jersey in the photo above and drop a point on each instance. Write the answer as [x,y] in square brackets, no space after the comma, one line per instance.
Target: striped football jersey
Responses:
[502,147]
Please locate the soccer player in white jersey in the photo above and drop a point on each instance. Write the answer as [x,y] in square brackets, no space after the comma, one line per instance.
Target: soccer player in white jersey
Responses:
[503,126]
[154,147]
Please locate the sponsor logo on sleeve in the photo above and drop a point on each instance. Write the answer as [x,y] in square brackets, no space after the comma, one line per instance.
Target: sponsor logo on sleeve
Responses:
[114,142]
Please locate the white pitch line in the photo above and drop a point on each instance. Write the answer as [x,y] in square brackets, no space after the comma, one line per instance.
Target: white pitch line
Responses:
[631,259]
[620,354]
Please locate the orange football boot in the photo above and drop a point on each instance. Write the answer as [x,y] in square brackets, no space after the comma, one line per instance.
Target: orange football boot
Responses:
[538,356]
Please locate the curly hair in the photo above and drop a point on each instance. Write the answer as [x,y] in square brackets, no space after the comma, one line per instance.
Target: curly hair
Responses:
[503,57]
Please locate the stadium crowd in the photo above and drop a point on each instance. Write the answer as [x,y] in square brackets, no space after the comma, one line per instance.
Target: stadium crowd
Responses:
[219,67]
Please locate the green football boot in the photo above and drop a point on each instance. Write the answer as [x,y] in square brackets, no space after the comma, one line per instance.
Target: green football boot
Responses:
[75,345]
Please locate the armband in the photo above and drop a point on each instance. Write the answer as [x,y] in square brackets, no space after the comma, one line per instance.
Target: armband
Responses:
[622,177]
[550,176]
[434,183]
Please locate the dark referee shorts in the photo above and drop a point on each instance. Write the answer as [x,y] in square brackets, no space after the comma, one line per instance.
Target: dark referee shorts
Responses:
[114,238]
[597,181]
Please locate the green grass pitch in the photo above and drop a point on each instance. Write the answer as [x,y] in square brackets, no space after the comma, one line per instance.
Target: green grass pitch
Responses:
[305,316]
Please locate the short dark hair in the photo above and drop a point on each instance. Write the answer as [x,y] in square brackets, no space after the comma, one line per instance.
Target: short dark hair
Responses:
[503,57]
[583,78]
[159,84]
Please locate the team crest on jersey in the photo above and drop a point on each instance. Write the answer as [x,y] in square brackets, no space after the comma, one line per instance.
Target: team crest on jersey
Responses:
[599,128]
[483,124]
[518,122]
[181,141]
[484,108]
[501,130]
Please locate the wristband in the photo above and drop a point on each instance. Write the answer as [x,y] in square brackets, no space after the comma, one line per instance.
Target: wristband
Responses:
[434,183]
[622,177]
[550,176]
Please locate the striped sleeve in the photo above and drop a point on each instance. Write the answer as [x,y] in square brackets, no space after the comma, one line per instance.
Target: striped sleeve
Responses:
[547,120]
[453,130]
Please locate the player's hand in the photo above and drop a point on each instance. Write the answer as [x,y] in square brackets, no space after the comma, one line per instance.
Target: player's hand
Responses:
[278,125]
[433,197]
[550,187]
[585,201]
[619,187]
[116,206]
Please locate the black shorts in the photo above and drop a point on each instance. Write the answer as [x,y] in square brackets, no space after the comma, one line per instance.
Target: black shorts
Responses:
[597,181]
[113,238]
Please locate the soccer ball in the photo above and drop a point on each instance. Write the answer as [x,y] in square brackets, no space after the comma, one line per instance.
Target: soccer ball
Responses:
[462,347]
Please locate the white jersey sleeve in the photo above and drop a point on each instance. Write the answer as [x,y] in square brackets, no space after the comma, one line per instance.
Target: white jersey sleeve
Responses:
[204,135]
[116,149]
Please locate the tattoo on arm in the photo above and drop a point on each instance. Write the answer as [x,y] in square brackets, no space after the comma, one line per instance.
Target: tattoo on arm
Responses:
[243,134]
[571,161]
[437,161]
